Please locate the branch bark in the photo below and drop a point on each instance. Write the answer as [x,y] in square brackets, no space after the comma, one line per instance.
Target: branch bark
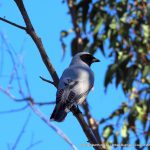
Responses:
[30,30]
[12,23]
[91,121]
[91,138]
[48,81]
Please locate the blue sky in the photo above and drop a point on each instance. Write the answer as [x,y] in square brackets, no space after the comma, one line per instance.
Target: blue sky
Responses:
[48,18]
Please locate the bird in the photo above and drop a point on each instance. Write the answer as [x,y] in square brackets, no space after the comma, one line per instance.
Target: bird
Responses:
[74,85]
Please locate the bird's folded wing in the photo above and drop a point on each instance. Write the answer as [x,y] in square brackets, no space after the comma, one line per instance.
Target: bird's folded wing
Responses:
[71,92]
[65,91]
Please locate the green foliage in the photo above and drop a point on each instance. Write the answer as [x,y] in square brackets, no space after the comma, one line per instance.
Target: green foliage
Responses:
[107,132]
[126,25]
[124,131]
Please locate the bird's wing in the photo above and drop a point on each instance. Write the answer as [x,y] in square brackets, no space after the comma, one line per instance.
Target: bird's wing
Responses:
[74,84]
[66,91]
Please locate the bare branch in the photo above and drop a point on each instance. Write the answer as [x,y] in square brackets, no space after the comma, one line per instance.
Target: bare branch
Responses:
[27,99]
[57,130]
[21,133]
[10,95]
[11,52]
[51,82]
[44,103]
[12,23]
[37,41]
[46,120]
[91,121]
[77,113]
[25,79]
[33,144]
[30,102]
[14,110]
[41,115]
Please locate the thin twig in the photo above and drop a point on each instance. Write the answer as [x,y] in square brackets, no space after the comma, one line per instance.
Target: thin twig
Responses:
[10,95]
[11,78]
[9,50]
[29,99]
[33,144]
[21,133]
[12,23]
[14,110]
[25,79]
[51,82]
[44,103]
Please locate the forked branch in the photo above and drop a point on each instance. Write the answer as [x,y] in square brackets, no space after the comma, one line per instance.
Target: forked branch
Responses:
[37,41]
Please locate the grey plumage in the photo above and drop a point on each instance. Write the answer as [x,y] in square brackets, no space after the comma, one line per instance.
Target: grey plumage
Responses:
[74,85]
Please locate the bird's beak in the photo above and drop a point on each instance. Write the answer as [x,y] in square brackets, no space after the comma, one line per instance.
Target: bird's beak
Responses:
[95,60]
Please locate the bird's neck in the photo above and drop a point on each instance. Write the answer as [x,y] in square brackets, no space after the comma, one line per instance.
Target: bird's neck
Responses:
[77,63]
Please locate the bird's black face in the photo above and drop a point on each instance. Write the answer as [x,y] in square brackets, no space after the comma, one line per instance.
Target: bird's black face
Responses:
[88,59]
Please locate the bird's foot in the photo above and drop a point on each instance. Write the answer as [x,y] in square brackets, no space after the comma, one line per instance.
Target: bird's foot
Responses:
[70,105]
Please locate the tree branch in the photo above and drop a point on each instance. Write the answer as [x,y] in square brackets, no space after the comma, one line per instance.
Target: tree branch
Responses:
[33,144]
[30,30]
[57,130]
[30,101]
[48,81]
[21,133]
[12,23]
[77,113]
[44,103]
[14,110]
[91,121]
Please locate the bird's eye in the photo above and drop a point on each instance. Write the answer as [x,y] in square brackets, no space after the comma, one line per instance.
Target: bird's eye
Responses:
[87,58]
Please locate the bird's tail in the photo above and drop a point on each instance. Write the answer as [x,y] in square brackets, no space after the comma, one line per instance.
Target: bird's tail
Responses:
[59,113]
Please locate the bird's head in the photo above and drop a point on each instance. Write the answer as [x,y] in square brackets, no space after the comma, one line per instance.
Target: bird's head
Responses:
[84,58]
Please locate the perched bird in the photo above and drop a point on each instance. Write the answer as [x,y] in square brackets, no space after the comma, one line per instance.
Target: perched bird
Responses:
[74,85]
